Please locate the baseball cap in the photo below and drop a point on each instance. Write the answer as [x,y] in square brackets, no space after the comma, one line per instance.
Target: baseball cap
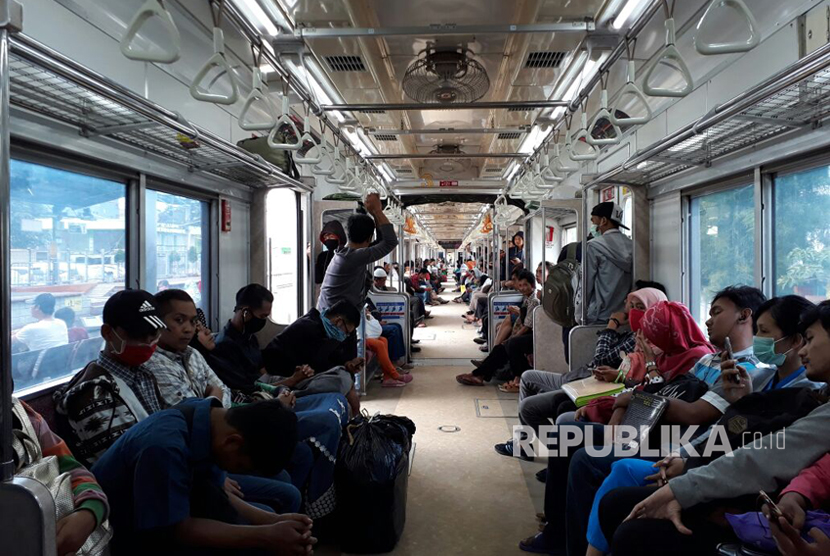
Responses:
[380,273]
[135,311]
[611,211]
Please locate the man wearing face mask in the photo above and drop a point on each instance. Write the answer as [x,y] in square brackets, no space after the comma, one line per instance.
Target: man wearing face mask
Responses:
[333,237]
[116,391]
[609,259]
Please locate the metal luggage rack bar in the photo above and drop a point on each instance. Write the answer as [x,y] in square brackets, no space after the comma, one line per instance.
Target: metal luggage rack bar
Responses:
[48,83]
[797,97]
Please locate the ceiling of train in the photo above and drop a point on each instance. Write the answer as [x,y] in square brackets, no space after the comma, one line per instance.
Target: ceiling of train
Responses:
[435,68]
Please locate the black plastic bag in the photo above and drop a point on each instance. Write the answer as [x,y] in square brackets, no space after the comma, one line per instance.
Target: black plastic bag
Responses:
[372,478]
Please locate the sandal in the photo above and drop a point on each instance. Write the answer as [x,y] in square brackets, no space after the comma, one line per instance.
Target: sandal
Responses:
[509,388]
[469,380]
[393,383]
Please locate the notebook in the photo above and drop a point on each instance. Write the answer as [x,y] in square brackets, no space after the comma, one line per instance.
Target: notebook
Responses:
[644,412]
[587,389]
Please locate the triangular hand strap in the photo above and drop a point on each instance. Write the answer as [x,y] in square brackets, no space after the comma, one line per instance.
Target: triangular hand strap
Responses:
[631,89]
[325,155]
[259,93]
[583,133]
[711,48]
[285,119]
[560,162]
[150,9]
[308,137]
[604,113]
[220,61]
[672,57]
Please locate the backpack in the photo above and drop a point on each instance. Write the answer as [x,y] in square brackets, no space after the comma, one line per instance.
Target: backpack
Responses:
[280,158]
[561,287]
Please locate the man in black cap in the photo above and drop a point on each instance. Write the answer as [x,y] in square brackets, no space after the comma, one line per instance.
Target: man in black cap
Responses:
[609,259]
[115,392]
[47,332]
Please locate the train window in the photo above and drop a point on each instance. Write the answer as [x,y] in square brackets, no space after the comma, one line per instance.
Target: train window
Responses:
[176,236]
[801,237]
[281,215]
[722,236]
[67,257]
[568,235]
[628,210]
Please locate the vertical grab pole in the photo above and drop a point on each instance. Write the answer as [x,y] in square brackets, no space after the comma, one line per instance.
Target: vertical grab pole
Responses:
[401,258]
[6,388]
[544,246]
[494,255]
[583,268]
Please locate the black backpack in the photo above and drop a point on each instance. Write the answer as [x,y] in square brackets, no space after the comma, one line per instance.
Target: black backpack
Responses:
[561,287]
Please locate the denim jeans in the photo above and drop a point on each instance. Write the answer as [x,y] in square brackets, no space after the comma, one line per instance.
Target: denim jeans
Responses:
[277,493]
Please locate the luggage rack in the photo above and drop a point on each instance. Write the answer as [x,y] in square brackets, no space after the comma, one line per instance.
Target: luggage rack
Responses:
[797,97]
[48,83]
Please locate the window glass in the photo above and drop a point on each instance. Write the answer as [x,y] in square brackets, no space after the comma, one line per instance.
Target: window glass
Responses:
[722,236]
[176,238]
[281,216]
[68,256]
[802,234]
[628,211]
[570,235]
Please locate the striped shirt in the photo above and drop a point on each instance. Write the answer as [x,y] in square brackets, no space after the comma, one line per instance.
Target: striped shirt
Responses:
[184,375]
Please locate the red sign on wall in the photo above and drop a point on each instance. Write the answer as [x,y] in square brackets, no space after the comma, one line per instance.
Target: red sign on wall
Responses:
[448,183]
[225,211]
[609,194]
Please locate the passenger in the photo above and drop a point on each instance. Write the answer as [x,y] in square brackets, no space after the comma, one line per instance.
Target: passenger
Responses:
[609,264]
[777,321]
[379,282]
[730,317]
[392,332]
[83,525]
[318,340]
[116,391]
[75,333]
[538,389]
[333,237]
[47,332]
[663,514]
[516,253]
[375,342]
[345,277]
[513,351]
[180,371]
[165,478]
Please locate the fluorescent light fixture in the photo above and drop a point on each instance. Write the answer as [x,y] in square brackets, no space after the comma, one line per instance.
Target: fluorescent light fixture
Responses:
[631,8]
[533,139]
[386,175]
[254,13]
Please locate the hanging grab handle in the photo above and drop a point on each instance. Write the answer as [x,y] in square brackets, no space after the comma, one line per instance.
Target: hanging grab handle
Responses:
[150,9]
[218,60]
[560,162]
[259,92]
[325,154]
[712,48]
[548,173]
[285,119]
[669,54]
[604,113]
[583,133]
[631,89]
[308,137]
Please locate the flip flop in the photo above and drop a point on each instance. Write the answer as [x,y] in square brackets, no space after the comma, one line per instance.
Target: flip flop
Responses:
[393,383]
[508,388]
[462,379]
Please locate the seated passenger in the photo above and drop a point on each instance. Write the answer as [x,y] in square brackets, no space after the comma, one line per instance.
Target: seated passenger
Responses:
[181,372]
[84,525]
[116,391]
[165,479]
[669,514]
[513,351]
[47,332]
[375,342]
[75,333]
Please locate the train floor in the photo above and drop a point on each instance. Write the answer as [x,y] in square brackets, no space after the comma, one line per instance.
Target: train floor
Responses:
[463,498]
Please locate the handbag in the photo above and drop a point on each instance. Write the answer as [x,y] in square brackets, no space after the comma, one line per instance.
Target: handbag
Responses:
[30,463]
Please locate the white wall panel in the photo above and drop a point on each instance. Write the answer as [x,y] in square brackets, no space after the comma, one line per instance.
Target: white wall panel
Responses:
[665,243]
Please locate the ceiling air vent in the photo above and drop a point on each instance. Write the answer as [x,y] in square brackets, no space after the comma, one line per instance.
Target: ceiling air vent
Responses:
[384,137]
[545,59]
[372,111]
[403,170]
[345,63]
[493,170]
[509,136]
[519,109]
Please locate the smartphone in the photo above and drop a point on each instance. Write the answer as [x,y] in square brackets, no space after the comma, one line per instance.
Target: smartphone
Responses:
[731,355]
[773,508]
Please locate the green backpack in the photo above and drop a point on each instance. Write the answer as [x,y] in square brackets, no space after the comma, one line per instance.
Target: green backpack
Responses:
[281,158]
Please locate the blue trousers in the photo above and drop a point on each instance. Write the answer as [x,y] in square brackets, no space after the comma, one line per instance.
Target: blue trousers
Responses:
[394,334]
[276,493]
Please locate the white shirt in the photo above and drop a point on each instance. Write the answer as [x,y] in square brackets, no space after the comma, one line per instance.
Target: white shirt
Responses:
[44,334]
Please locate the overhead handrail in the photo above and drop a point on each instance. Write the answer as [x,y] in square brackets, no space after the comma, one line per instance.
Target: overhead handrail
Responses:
[583,133]
[669,54]
[218,60]
[285,119]
[151,9]
[307,136]
[604,113]
[713,48]
[630,88]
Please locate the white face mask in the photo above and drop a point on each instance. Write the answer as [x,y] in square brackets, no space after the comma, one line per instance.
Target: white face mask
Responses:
[595,230]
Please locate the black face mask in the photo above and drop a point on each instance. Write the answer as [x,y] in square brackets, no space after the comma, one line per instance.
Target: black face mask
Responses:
[331,244]
[254,325]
